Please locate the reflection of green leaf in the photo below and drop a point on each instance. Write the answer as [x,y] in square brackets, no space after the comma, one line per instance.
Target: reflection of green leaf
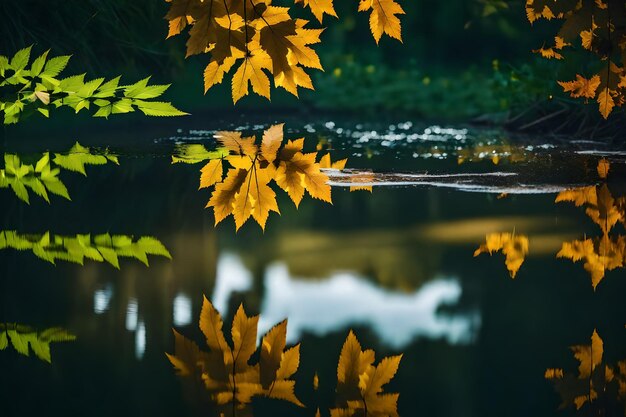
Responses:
[79,156]
[23,337]
[43,179]
[75,249]
[195,153]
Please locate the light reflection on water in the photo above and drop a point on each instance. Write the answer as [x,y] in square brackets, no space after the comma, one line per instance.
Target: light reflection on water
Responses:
[344,299]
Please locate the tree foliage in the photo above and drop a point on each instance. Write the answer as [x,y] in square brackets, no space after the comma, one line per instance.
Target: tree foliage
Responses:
[596,26]
[36,87]
[258,40]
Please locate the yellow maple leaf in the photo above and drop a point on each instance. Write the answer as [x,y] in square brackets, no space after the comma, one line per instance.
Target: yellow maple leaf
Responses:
[319,8]
[581,87]
[383,18]
[250,72]
[514,247]
[211,173]
[606,102]
[360,383]
[326,163]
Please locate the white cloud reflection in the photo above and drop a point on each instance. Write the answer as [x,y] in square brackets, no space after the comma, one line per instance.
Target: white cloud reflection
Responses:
[346,299]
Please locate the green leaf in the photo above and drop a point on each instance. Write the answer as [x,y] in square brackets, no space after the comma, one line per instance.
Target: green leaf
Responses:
[37,65]
[131,91]
[158,108]
[55,65]
[20,191]
[20,59]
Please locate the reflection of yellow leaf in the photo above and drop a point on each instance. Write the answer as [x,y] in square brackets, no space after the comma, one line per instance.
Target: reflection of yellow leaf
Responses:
[593,377]
[226,373]
[514,247]
[365,178]
[600,255]
[360,383]
[602,208]
[603,168]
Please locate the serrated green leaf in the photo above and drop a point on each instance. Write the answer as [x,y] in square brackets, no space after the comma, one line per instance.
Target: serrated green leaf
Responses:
[55,65]
[20,59]
[37,65]
[158,108]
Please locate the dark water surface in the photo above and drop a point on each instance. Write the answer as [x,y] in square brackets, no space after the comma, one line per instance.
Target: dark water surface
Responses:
[396,265]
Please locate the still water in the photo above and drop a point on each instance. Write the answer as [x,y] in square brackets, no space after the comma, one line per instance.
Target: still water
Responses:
[92,287]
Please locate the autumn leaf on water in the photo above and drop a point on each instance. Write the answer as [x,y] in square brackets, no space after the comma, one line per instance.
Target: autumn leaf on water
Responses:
[246,189]
[360,383]
[226,373]
[514,247]
[593,379]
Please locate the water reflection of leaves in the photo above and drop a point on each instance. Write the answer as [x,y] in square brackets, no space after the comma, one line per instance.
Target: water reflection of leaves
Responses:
[600,205]
[606,252]
[75,249]
[22,337]
[194,153]
[514,247]
[42,178]
[601,254]
[595,379]
[225,372]
[245,190]
[494,153]
[360,383]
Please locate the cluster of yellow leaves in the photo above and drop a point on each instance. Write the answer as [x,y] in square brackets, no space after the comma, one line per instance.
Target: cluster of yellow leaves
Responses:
[599,26]
[225,372]
[360,383]
[245,190]
[260,39]
[514,247]
[594,378]
[606,252]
